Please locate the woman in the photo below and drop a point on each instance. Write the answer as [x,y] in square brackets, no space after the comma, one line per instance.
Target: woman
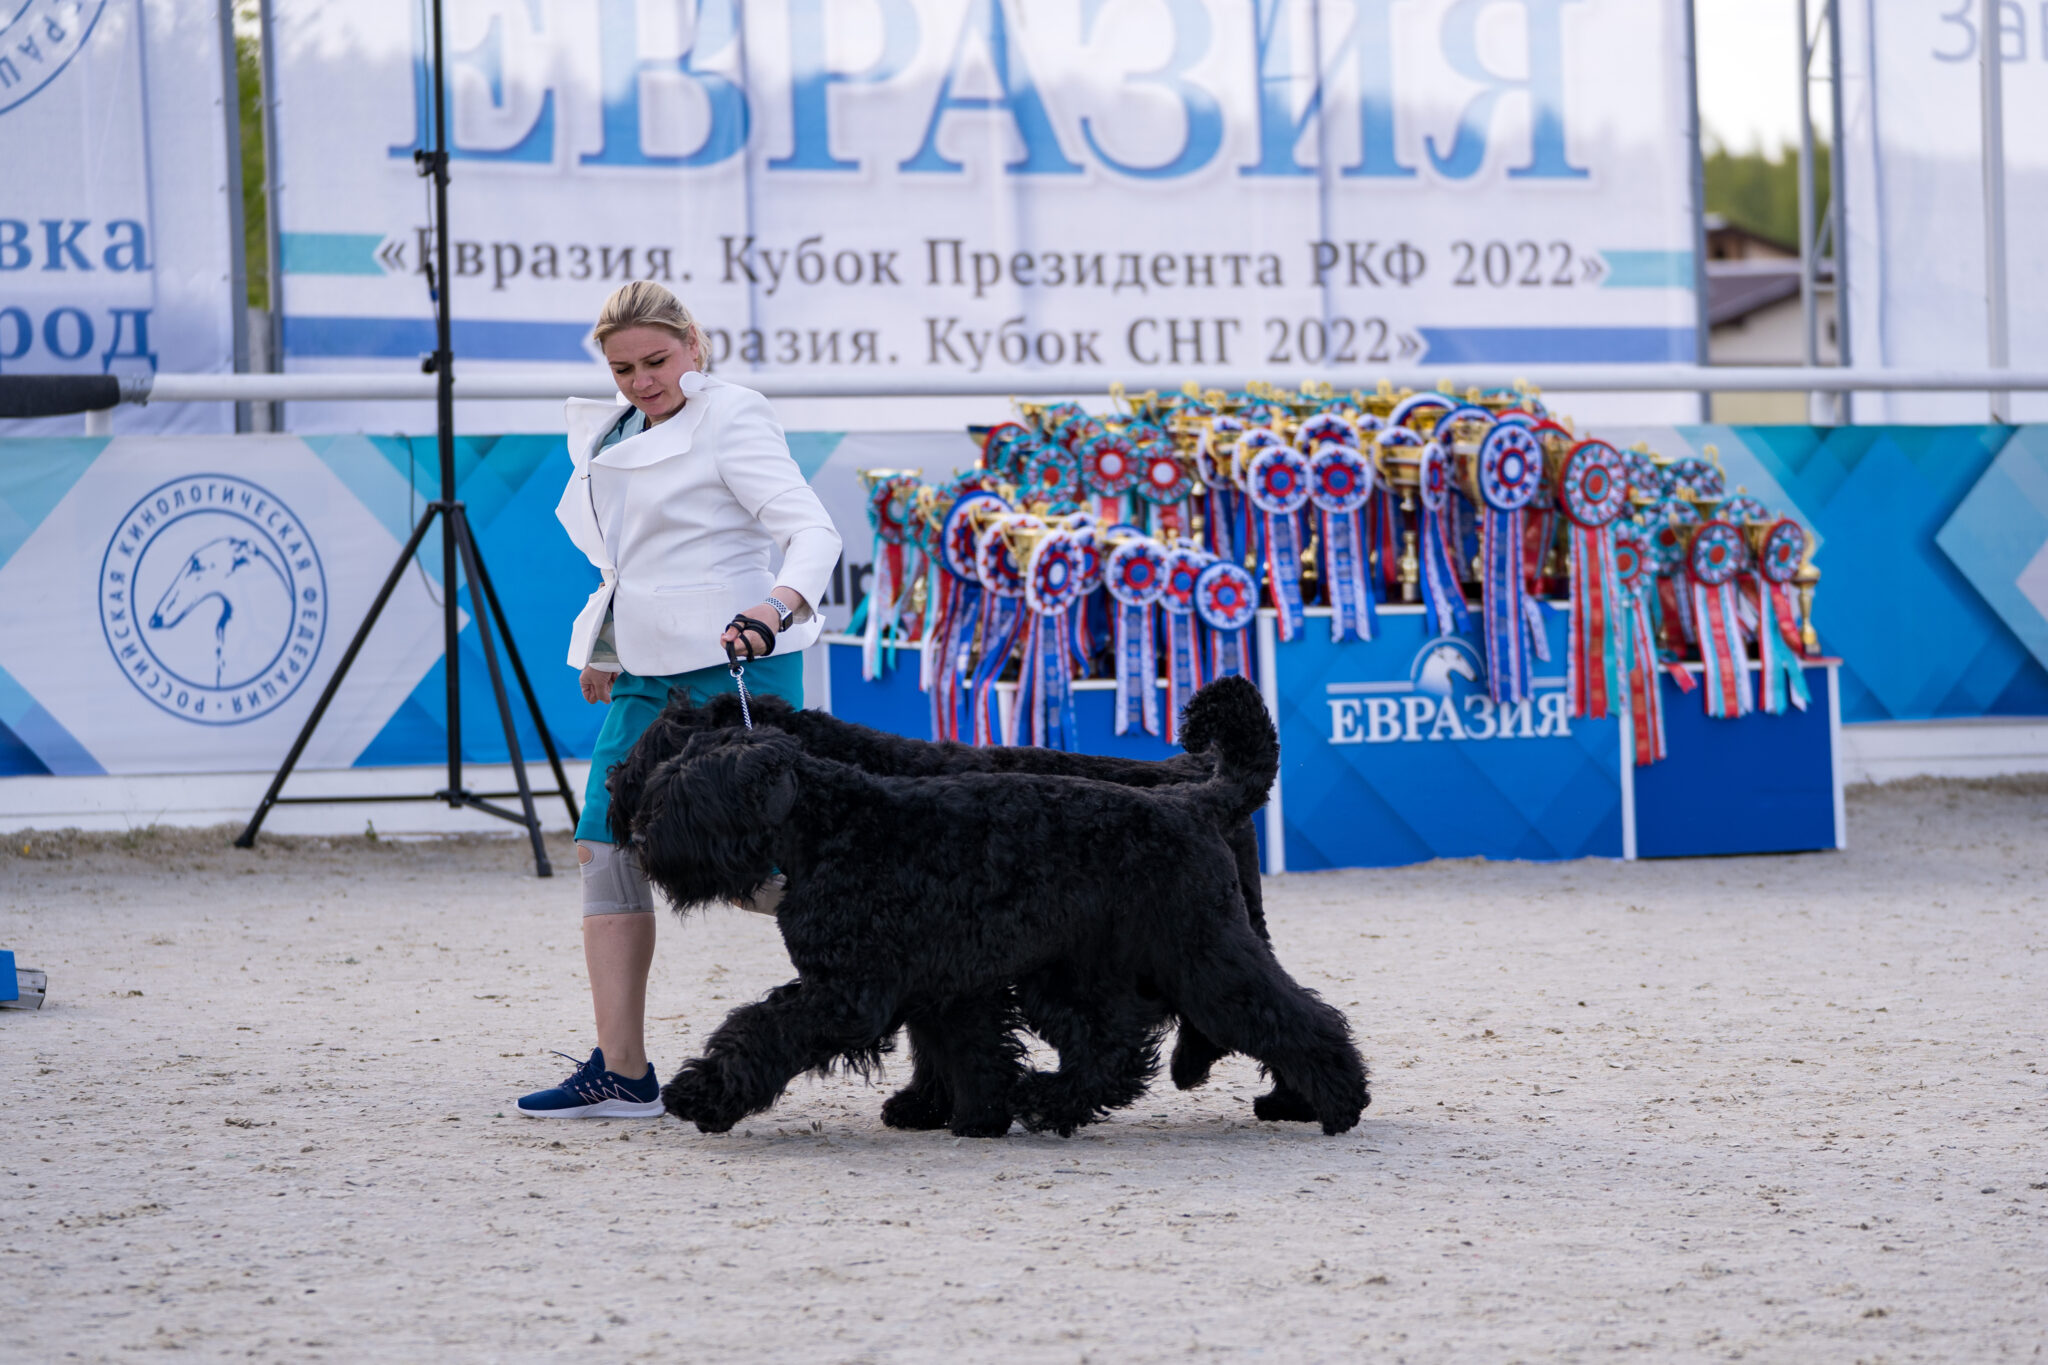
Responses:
[679,497]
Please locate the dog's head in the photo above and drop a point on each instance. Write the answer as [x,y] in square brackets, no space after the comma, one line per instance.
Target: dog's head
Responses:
[662,740]
[709,816]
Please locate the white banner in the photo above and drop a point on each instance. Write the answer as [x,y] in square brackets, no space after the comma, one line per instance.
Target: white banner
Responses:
[115,239]
[1914,182]
[903,188]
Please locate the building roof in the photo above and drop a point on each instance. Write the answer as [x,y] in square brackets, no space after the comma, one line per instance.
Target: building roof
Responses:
[1735,289]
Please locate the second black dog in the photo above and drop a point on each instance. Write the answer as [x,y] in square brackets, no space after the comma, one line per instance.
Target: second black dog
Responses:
[914,897]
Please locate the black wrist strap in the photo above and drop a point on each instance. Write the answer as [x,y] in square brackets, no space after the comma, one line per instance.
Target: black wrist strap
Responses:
[748,628]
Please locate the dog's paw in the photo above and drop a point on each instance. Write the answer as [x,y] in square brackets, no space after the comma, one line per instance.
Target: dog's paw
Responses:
[698,1097]
[1043,1106]
[918,1108]
[983,1126]
[1282,1105]
[1193,1058]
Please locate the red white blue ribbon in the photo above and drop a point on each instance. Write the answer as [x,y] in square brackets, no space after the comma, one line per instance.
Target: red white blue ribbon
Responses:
[1277,482]
[1045,693]
[1637,581]
[1778,645]
[1509,466]
[1715,558]
[1183,566]
[1442,598]
[1002,614]
[1135,576]
[1592,488]
[1228,602]
[1341,486]
[889,506]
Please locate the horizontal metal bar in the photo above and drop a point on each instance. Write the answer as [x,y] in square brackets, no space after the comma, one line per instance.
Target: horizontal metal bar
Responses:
[559,382]
[466,797]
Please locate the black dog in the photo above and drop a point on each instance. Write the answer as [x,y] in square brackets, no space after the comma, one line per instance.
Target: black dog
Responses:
[924,1103]
[918,899]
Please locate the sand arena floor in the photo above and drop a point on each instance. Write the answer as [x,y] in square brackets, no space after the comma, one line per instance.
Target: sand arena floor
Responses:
[1783,1109]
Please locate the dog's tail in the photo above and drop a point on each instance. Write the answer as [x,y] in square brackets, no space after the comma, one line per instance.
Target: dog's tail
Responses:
[1229,717]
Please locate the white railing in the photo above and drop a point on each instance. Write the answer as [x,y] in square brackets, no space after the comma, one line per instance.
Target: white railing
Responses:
[566,381]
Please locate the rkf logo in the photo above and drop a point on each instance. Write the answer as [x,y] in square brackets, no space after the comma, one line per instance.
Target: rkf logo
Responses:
[39,42]
[213,599]
[1444,698]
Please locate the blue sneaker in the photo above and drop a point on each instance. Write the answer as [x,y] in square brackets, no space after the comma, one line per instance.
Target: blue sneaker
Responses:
[595,1093]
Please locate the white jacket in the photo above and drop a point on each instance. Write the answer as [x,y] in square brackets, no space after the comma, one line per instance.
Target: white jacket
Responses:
[713,493]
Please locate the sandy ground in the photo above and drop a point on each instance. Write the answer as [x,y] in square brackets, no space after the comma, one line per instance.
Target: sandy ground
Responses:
[1768,1109]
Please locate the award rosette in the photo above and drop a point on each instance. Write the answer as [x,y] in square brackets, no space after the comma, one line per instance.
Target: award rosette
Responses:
[1109,469]
[1326,426]
[955,606]
[890,503]
[1779,548]
[1340,486]
[1045,693]
[1166,483]
[999,447]
[1277,482]
[1592,488]
[1051,474]
[1002,617]
[1227,601]
[1636,579]
[1183,569]
[1698,479]
[1135,576]
[1442,598]
[1712,563]
[1647,481]
[1506,471]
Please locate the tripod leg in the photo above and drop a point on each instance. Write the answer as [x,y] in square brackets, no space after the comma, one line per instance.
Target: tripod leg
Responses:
[465,541]
[547,741]
[247,838]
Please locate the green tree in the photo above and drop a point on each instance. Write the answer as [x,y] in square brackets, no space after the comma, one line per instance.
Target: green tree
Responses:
[1760,192]
[255,199]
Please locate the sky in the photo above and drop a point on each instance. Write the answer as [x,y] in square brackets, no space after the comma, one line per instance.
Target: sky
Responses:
[1749,72]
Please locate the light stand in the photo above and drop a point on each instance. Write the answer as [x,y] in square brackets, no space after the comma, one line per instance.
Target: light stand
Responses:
[458,543]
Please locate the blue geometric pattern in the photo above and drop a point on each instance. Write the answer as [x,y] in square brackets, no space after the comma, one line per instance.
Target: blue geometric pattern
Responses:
[1998,535]
[1919,634]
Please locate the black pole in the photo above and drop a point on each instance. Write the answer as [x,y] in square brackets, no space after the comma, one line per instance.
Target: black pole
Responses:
[459,551]
[444,415]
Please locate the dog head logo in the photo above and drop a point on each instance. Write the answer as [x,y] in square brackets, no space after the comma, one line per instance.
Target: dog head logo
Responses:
[213,599]
[1441,660]
[38,42]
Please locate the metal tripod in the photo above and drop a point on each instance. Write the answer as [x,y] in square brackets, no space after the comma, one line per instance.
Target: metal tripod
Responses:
[458,544]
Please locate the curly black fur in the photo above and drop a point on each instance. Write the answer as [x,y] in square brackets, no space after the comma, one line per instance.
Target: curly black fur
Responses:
[826,736]
[1144,892]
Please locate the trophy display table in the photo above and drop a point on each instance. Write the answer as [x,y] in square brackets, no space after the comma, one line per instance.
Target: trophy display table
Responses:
[1393,753]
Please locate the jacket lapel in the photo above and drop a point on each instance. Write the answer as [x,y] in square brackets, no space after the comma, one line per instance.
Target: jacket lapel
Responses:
[588,421]
[672,438]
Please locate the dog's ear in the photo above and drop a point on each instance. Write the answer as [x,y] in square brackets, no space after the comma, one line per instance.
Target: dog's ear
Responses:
[765,770]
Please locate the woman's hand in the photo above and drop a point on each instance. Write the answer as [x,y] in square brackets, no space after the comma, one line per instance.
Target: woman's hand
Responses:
[765,614]
[596,684]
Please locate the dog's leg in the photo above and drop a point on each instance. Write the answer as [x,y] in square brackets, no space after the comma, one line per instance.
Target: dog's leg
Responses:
[1237,994]
[755,1053]
[925,1102]
[982,1059]
[1108,1040]
[1194,1053]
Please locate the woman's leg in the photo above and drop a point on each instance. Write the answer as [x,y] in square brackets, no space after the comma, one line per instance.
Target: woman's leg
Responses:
[618,950]
[618,903]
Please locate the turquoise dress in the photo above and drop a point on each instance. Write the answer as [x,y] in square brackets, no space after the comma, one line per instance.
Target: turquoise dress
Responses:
[636,701]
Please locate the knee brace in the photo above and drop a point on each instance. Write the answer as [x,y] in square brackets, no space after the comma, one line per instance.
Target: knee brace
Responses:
[613,883]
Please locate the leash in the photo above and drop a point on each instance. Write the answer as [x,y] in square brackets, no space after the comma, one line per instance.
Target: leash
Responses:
[748,627]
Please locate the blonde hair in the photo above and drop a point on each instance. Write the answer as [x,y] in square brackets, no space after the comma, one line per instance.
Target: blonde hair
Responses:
[644,303]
